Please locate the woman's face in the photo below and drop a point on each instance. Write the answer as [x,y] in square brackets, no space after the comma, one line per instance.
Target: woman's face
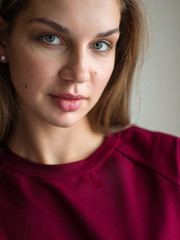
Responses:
[61,55]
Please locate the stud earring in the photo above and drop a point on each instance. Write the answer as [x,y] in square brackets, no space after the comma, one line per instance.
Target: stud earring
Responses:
[3,58]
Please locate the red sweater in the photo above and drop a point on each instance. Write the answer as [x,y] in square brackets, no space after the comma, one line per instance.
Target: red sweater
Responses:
[127,190]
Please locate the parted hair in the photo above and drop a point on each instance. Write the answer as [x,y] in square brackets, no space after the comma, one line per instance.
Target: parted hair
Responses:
[112,111]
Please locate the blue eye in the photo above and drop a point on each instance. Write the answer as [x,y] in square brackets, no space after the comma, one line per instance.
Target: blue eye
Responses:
[52,39]
[101,46]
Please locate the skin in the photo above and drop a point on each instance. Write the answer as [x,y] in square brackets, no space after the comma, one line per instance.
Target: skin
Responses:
[73,62]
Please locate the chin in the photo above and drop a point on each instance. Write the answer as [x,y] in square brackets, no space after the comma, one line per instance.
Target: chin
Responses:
[68,123]
[67,120]
[63,124]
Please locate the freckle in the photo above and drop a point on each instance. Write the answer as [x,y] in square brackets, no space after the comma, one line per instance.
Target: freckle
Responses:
[95,73]
[52,78]
[25,86]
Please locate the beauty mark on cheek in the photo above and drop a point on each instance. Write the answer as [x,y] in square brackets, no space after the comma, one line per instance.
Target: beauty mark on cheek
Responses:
[25,86]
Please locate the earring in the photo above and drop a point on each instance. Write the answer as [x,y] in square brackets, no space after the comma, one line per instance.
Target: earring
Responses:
[3,58]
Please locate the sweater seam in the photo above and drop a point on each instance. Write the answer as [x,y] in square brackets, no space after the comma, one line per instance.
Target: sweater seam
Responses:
[22,171]
[149,169]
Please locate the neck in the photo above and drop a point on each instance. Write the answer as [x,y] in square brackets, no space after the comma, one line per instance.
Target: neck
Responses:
[54,145]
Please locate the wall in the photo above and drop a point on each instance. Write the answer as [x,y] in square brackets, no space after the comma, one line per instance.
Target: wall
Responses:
[156,100]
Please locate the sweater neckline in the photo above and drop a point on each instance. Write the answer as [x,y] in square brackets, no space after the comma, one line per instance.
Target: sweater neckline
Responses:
[66,170]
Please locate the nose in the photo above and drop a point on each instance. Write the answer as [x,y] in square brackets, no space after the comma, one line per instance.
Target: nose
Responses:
[76,67]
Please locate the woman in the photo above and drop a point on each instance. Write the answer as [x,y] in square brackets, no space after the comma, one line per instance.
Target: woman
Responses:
[71,167]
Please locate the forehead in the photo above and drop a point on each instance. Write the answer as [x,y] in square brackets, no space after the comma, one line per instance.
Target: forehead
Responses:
[75,5]
[77,13]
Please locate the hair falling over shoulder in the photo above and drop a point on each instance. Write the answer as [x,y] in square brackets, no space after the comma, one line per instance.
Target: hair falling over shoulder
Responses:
[111,113]
[9,10]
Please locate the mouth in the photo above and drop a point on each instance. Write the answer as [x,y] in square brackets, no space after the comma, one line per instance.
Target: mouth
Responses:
[68,102]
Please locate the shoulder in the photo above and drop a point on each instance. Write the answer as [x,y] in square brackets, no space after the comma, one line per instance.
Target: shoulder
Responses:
[159,152]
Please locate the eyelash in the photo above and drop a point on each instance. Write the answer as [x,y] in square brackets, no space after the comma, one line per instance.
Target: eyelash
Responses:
[42,35]
[109,44]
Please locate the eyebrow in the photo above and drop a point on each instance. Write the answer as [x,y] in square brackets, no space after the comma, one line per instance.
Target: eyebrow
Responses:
[65,30]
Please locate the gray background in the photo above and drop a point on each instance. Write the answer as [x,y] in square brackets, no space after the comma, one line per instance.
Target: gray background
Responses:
[156,97]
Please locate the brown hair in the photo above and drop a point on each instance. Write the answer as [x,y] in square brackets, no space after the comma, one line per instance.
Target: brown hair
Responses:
[111,113]
[8,110]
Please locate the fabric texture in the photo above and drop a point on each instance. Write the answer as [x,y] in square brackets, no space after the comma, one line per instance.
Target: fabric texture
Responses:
[129,189]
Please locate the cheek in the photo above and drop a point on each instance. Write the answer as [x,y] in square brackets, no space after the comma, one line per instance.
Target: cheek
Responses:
[101,79]
[104,74]
[27,70]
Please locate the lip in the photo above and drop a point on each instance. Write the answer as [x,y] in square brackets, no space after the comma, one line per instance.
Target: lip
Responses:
[69,96]
[68,102]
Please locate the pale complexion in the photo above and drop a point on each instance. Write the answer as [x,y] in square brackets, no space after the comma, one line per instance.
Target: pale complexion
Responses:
[57,47]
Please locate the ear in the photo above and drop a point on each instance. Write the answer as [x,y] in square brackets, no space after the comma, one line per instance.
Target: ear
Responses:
[3,40]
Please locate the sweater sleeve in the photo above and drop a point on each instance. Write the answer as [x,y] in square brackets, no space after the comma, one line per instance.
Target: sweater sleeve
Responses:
[156,151]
